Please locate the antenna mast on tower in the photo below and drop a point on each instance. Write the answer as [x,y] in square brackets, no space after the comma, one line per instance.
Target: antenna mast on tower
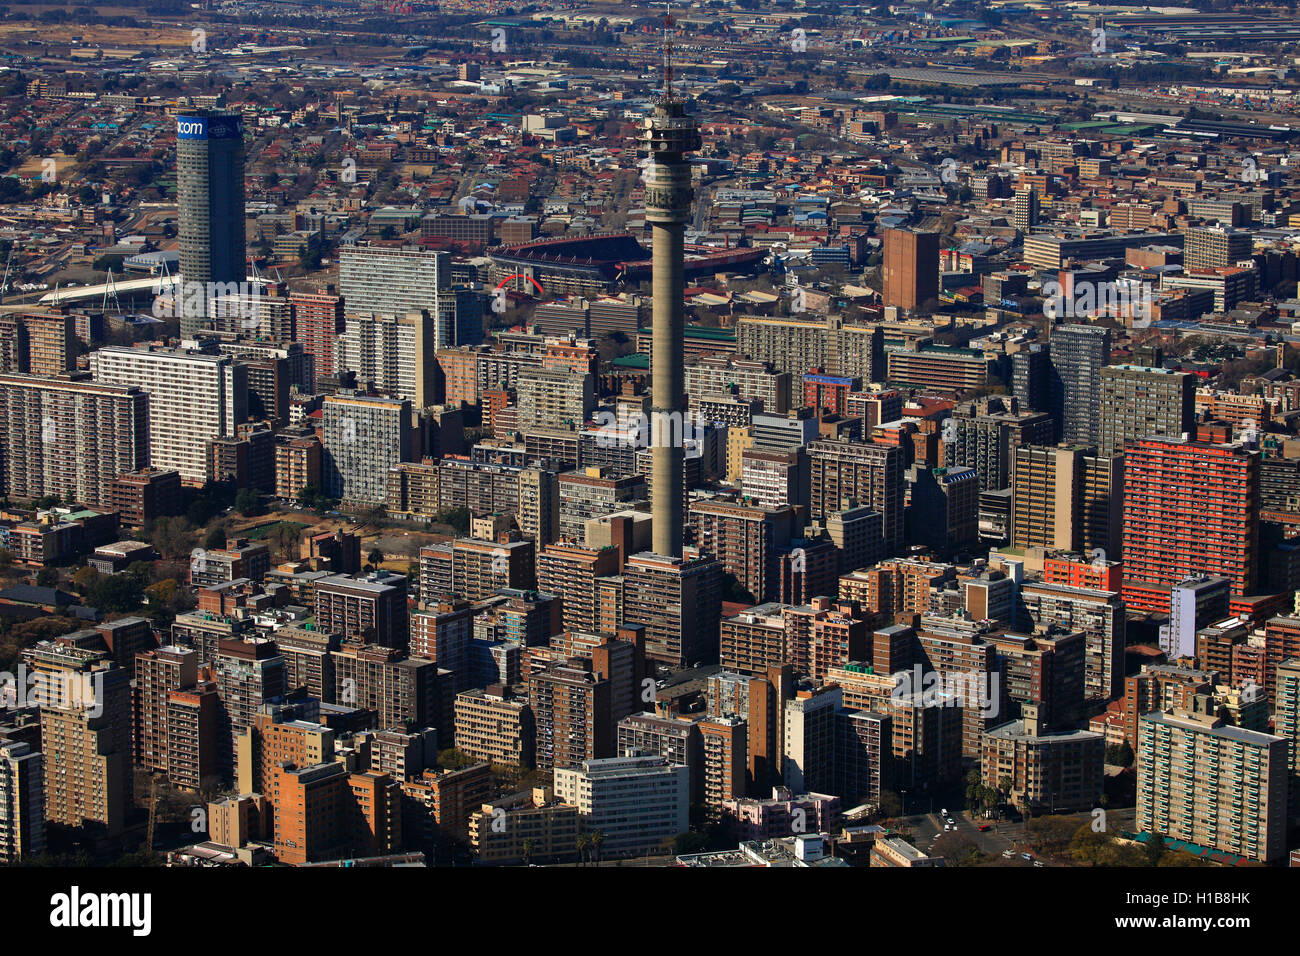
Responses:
[669,23]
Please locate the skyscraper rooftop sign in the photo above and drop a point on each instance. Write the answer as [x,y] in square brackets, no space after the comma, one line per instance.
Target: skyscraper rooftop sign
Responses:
[209,127]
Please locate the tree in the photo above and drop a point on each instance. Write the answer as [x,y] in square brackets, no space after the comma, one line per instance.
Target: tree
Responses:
[375,558]
[117,592]
[453,759]
[172,537]
[1090,848]
[597,841]
[957,848]
[163,592]
[685,844]
[891,804]
[457,518]
[734,591]
[1120,755]
[1155,848]
[248,502]
[215,539]
[285,539]
[313,497]
[584,844]
[85,579]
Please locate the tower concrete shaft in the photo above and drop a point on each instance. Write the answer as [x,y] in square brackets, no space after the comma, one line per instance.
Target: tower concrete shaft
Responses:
[668,135]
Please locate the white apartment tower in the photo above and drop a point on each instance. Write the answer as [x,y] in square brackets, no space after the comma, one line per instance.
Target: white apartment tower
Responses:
[193,398]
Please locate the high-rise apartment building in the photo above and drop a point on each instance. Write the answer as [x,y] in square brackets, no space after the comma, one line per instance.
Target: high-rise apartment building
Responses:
[911,268]
[1204,781]
[141,495]
[1050,770]
[370,608]
[400,691]
[210,157]
[395,352]
[539,505]
[986,434]
[774,479]
[571,571]
[747,540]
[1078,354]
[591,493]
[944,512]
[845,474]
[441,631]
[525,828]
[1191,508]
[678,601]
[318,323]
[193,397]
[1286,723]
[22,801]
[1024,210]
[158,674]
[795,345]
[924,365]
[39,343]
[480,568]
[249,674]
[382,280]
[744,378]
[759,699]
[1100,615]
[1215,248]
[70,439]
[638,803]
[1193,604]
[724,745]
[676,739]
[1067,498]
[554,397]
[325,813]
[362,438]
[1031,378]
[810,732]
[572,714]
[85,735]
[493,725]
[1139,402]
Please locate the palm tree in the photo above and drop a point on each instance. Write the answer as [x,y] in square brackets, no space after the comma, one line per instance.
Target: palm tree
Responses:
[529,845]
[584,841]
[597,840]
[375,558]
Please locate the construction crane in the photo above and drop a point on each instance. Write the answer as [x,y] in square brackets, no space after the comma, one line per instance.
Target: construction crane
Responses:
[153,814]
